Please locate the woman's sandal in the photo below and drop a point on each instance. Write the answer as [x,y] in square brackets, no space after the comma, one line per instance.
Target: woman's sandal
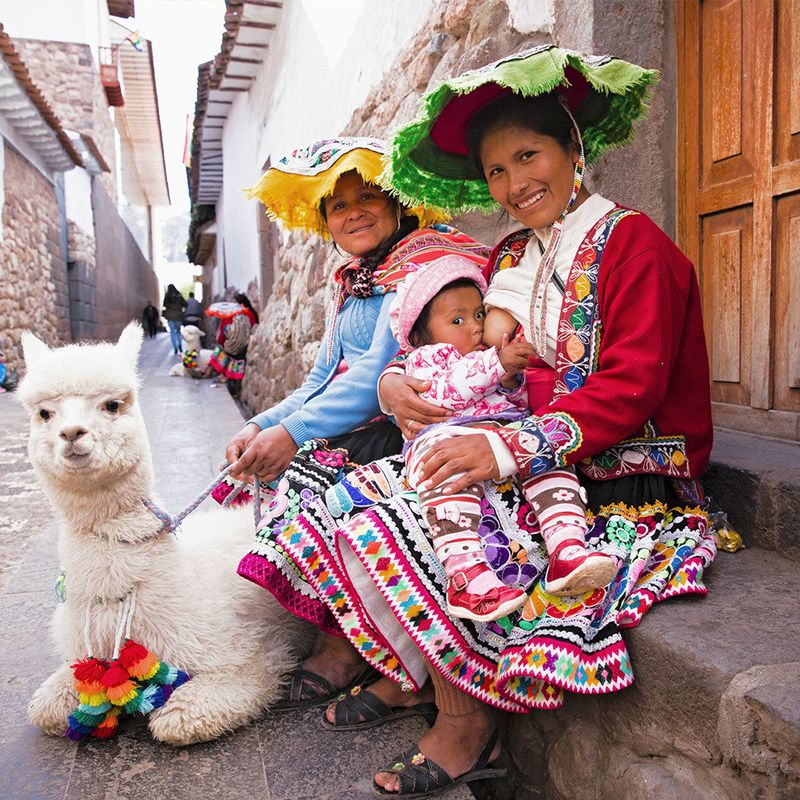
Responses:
[308,689]
[421,777]
[359,709]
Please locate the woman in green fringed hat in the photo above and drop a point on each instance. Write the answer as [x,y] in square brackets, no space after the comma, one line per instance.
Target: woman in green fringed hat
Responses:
[332,423]
[619,390]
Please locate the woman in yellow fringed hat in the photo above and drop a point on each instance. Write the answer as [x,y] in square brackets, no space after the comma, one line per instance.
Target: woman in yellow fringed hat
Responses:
[331,423]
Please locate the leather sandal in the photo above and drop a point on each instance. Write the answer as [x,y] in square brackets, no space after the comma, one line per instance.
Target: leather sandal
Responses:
[308,689]
[359,709]
[421,777]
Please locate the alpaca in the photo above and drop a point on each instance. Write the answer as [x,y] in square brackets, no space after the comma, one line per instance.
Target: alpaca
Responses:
[89,448]
[191,336]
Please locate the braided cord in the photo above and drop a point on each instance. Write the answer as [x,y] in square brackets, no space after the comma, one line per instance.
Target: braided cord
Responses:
[171,524]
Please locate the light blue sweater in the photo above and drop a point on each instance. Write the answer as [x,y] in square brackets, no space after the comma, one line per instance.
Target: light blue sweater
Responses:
[325,408]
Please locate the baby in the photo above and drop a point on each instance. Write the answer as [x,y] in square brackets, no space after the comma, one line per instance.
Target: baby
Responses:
[438,319]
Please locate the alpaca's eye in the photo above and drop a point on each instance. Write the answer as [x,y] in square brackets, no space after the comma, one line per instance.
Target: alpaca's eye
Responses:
[112,406]
[45,414]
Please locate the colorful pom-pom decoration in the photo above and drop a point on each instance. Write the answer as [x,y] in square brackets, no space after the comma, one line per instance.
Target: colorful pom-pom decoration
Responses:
[136,682]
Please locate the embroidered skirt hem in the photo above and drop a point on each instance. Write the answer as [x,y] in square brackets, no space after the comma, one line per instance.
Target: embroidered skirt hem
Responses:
[377,573]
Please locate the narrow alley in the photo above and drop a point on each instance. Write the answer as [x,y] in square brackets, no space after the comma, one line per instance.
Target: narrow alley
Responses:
[189,423]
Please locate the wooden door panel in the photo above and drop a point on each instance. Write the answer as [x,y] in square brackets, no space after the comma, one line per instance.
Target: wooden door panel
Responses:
[725,275]
[726,94]
[787,303]
[739,200]
[787,83]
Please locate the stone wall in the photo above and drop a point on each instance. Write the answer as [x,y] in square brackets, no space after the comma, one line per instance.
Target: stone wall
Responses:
[66,74]
[460,35]
[125,281]
[33,289]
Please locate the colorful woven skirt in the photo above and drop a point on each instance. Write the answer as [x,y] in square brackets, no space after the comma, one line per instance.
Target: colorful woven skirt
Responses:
[363,550]
[229,366]
[318,465]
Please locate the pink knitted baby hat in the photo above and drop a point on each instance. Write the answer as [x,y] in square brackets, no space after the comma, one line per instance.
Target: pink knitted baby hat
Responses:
[420,287]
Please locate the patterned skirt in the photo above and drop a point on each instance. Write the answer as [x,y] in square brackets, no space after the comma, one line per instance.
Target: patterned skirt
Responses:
[360,551]
[229,366]
[318,465]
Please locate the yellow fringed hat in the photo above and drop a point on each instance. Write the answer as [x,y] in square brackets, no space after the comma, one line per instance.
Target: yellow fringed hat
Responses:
[293,188]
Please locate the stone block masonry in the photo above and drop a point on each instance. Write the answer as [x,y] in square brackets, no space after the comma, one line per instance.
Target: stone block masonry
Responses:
[82,276]
[460,35]
[33,292]
[68,77]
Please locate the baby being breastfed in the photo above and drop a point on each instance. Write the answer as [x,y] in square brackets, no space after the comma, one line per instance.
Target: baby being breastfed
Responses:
[498,324]
[507,303]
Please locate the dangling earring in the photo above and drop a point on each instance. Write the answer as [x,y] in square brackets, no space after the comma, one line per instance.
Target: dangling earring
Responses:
[397,209]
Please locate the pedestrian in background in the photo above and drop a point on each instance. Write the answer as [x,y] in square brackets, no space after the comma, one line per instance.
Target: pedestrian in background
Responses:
[230,354]
[194,311]
[174,305]
[150,319]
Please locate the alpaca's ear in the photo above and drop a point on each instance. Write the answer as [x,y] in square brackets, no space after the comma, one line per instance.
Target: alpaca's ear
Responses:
[130,341]
[33,349]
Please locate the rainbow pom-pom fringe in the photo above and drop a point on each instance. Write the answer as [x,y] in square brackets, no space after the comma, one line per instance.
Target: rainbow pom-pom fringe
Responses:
[136,682]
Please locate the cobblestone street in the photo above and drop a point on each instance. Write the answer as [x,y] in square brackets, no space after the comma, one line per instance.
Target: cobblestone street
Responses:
[281,757]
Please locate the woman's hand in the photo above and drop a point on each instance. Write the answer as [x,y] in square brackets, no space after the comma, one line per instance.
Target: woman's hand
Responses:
[399,395]
[239,443]
[471,455]
[267,455]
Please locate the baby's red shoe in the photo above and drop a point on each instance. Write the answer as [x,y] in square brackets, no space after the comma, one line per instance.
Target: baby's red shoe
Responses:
[490,605]
[575,570]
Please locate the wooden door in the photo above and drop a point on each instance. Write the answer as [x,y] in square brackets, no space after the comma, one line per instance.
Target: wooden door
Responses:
[739,201]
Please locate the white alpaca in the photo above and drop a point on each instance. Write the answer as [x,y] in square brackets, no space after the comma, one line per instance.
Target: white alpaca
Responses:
[191,336]
[90,450]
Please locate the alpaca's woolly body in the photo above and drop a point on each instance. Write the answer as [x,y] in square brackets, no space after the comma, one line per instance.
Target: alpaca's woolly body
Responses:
[192,610]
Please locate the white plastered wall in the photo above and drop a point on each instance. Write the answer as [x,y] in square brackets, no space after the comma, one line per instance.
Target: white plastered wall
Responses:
[84,21]
[78,197]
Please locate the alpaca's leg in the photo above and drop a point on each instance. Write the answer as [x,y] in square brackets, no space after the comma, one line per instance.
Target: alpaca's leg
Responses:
[53,702]
[213,703]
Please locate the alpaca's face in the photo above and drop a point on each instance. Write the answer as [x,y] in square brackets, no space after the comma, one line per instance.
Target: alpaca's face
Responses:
[96,436]
[191,335]
[86,427]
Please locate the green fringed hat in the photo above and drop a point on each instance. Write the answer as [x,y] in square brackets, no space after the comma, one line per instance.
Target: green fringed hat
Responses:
[429,162]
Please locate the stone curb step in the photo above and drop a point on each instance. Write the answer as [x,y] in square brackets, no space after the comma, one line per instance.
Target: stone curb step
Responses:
[714,712]
[756,480]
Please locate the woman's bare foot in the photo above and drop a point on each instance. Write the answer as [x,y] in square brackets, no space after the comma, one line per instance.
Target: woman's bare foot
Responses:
[334,659]
[454,743]
[391,694]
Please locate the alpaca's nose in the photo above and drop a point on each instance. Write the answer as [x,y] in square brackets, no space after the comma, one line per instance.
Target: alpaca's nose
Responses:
[72,432]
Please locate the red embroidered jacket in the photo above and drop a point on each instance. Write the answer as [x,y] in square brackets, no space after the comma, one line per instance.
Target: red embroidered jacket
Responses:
[632,378]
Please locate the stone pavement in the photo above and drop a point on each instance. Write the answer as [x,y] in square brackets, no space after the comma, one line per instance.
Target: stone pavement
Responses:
[281,757]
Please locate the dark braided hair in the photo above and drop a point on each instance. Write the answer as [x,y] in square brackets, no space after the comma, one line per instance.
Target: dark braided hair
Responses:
[407,224]
[244,300]
[543,115]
